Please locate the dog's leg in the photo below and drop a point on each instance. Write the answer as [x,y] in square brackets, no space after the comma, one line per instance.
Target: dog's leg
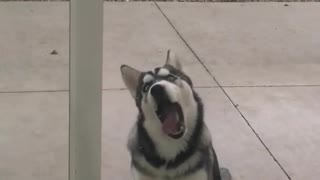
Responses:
[139,176]
[215,166]
[225,174]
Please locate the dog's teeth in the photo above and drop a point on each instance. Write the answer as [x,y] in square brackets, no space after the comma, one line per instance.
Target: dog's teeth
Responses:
[180,130]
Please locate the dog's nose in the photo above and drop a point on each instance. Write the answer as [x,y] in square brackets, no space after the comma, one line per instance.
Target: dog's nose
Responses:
[158,91]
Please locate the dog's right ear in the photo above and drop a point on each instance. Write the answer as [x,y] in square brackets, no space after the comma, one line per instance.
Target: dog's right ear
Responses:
[130,77]
[173,60]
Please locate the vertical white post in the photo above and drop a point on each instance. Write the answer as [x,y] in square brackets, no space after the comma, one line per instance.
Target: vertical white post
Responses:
[86,32]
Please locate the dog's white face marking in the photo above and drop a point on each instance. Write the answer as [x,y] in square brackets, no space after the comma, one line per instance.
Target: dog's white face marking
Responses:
[163,72]
[151,102]
[171,89]
[147,78]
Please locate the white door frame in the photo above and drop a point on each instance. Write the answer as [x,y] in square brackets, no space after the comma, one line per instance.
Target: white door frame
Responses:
[85,97]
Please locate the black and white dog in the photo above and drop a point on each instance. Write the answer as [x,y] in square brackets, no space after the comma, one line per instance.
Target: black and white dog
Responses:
[170,140]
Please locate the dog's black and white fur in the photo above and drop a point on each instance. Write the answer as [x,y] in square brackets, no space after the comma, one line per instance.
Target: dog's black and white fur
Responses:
[170,140]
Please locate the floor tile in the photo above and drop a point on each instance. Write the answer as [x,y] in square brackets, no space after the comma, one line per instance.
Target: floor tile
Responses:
[236,146]
[252,44]
[287,120]
[39,131]
[138,35]
[34,30]
[34,136]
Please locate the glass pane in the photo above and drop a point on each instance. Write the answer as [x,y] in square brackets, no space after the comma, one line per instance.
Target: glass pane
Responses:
[256,67]
[34,68]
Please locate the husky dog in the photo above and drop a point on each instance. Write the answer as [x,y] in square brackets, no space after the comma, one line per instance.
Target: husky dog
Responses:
[169,140]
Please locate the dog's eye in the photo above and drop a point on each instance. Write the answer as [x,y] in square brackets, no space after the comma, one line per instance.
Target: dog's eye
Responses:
[171,77]
[146,87]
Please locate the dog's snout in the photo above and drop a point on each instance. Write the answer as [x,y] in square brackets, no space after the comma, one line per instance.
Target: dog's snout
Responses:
[157,91]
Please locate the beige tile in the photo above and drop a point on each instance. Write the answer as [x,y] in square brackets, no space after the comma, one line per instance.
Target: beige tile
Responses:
[28,34]
[287,119]
[135,34]
[253,43]
[34,136]
[138,35]
[236,146]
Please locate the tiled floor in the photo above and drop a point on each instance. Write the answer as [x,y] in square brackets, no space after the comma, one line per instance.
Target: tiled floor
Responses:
[264,118]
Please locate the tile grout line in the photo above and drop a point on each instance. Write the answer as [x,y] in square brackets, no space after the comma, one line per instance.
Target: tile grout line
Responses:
[272,86]
[196,87]
[34,91]
[66,90]
[223,90]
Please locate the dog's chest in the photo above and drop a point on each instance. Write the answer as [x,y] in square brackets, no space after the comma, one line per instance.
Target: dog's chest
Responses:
[192,167]
[200,174]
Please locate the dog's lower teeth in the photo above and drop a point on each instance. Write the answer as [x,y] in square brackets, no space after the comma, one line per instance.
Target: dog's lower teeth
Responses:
[176,133]
[180,130]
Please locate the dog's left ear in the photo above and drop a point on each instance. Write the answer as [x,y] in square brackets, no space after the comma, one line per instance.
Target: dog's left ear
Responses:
[173,60]
[130,77]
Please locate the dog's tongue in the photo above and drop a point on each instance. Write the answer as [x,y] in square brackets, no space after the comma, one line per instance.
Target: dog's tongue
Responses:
[170,124]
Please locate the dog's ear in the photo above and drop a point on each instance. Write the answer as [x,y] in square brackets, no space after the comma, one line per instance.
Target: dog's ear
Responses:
[130,78]
[173,60]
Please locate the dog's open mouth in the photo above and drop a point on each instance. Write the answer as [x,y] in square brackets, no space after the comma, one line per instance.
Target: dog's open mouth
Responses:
[171,117]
